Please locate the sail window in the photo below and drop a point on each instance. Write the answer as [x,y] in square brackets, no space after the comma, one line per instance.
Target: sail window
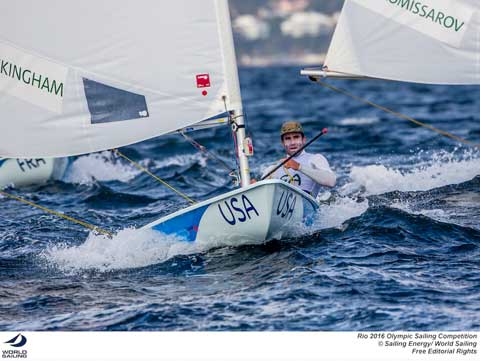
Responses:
[108,104]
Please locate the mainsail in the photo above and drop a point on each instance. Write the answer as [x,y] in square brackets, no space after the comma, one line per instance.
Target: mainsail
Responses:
[85,76]
[423,41]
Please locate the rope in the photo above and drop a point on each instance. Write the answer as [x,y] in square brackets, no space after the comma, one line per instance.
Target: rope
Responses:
[400,115]
[68,218]
[143,169]
[291,179]
[85,224]
[203,149]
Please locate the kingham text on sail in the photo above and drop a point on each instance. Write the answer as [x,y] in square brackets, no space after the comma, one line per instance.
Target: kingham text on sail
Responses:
[428,12]
[29,77]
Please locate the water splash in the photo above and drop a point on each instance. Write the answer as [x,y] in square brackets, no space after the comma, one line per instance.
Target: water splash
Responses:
[442,169]
[129,248]
[103,167]
[335,214]
[358,121]
[100,167]
[182,160]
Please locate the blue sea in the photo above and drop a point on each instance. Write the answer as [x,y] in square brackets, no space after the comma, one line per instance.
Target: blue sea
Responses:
[395,245]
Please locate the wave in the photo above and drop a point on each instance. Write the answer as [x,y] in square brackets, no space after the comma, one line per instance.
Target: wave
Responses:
[453,204]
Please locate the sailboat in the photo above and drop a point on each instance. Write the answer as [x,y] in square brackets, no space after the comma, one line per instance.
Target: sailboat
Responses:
[89,76]
[429,41]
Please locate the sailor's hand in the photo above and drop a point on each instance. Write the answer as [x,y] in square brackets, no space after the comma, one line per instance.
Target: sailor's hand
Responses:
[291,164]
[253,181]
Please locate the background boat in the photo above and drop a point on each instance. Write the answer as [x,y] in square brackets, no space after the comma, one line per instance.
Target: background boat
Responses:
[31,172]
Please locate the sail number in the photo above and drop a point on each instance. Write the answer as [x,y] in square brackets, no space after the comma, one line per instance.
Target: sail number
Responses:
[286,205]
[236,210]
[29,164]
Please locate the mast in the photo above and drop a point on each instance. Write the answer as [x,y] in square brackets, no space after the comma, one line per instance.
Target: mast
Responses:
[233,83]
[239,129]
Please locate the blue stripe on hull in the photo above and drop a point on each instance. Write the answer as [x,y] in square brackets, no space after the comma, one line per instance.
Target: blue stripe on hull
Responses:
[184,225]
[2,161]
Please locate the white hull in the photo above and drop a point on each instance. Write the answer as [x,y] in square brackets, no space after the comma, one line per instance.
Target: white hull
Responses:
[263,211]
[26,172]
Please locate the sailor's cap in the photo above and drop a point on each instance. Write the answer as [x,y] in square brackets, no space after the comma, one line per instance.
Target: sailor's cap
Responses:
[291,127]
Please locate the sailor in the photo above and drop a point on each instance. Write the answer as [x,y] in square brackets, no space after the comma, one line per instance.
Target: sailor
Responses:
[306,170]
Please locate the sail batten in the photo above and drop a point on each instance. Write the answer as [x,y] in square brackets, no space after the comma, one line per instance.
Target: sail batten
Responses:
[424,41]
[117,73]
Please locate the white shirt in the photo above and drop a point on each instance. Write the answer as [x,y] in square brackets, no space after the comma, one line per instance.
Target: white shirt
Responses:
[314,172]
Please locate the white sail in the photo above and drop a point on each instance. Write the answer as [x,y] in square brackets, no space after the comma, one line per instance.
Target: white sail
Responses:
[84,76]
[424,41]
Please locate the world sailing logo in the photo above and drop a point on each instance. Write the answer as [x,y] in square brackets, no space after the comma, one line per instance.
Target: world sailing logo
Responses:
[17,342]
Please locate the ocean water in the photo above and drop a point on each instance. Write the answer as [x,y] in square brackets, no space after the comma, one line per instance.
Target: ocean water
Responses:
[395,247]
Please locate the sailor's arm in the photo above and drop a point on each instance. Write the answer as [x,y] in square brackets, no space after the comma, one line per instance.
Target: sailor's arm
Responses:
[319,170]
